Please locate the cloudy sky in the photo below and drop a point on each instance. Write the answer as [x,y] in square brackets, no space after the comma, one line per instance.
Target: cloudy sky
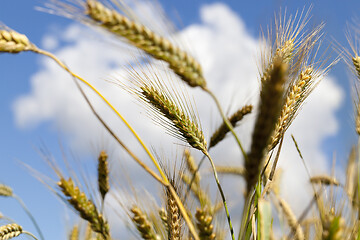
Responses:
[41,107]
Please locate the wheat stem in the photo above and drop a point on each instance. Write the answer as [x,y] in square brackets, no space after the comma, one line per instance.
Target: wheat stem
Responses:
[226,121]
[155,162]
[221,194]
[21,202]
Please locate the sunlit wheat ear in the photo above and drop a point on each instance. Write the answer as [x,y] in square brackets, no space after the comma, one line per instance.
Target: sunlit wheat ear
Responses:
[143,225]
[269,109]
[222,130]
[324,180]
[297,93]
[103,174]
[14,42]
[204,224]
[291,220]
[5,191]
[74,233]
[184,65]
[86,208]
[10,231]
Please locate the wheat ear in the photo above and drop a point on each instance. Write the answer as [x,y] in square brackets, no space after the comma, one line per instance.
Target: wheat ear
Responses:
[103,174]
[269,109]
[185,66]
[10,231]
[222,130]
[173,218]
[325,180]
[292,103]
[74,234]
[291,220]
[182,125]
[191,166]
[164,218]
[333,227]
[14,42]
[143,225]
[238,171]
[13,230]
[5,191]
[196,189]
[84,207]
[204,224]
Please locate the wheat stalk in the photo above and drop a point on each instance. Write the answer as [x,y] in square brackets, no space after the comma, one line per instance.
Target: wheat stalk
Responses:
[84,207]
[184,65]
[5,191]
[269,109]
[103,174]
[222,130]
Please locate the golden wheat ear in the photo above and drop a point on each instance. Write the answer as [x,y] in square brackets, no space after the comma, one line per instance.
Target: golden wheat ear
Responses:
[10,231]
[5,191]
[14,42]
[13,230]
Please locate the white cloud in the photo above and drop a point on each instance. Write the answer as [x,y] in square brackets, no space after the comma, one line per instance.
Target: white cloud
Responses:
[227,53]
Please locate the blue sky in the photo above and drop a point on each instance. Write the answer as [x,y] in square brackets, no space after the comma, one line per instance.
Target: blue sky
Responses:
[20,141]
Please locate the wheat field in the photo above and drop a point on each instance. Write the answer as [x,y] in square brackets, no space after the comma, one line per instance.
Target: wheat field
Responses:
[175,154]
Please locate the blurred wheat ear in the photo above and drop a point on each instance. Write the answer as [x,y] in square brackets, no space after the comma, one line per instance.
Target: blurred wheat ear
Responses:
[269,109]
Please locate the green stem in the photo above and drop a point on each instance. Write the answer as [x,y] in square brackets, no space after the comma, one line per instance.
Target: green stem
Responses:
[226,121]
[30,216]
[222,194]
